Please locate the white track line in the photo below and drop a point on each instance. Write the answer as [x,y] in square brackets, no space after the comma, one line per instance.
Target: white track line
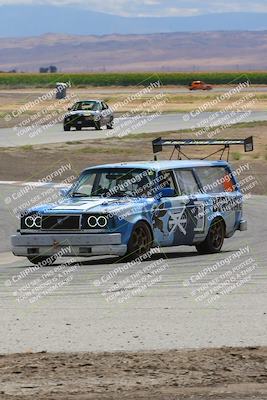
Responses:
[34,184]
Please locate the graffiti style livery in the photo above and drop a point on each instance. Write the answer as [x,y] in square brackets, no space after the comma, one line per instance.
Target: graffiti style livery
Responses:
[125,209]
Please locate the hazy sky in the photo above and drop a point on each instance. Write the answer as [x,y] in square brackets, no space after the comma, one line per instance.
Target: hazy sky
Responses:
[156,7]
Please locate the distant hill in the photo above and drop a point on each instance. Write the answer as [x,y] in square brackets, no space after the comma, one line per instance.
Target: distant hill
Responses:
[165,51]
[32,20]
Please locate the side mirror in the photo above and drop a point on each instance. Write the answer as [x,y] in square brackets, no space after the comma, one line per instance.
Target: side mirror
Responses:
[69,108]
[166,192]
[64,191]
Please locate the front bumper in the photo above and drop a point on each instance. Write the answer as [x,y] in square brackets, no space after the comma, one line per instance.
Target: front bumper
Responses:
[81,121]
[79,245]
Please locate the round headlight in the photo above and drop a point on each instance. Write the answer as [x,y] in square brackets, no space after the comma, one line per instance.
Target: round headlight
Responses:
[38,222]
[102,221]
[97,222]
[29,222]
[92,221]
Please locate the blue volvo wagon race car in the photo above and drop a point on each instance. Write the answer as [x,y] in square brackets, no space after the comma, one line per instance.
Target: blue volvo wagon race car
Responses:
[125,209]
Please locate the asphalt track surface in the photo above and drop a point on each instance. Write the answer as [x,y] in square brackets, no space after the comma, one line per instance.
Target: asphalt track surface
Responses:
[35,135]
[129,89]
[77,317]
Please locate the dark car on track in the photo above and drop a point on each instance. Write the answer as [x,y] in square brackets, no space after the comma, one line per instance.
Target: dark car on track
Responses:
[89,113]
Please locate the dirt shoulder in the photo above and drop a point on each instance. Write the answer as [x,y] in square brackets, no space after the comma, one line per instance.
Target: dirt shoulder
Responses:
[226,373]
[31,163]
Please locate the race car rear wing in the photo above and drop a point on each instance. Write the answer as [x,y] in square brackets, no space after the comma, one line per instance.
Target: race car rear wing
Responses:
[159,143]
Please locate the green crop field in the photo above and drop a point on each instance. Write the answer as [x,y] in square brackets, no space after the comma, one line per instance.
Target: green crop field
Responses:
[20,80]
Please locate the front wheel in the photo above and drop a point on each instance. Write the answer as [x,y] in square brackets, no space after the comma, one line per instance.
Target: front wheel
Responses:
[45,261]
[214,240]
[66,127]
[140,241]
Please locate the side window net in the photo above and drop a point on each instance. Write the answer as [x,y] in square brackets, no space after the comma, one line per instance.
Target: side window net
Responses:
[168,181]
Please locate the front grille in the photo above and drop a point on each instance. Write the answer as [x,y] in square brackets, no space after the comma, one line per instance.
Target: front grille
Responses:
[61,222]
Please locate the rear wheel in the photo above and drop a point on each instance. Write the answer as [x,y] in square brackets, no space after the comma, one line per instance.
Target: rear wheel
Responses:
[78,128]
[214,240]
[110,125]
[140,241]
[97,125]
[41,259]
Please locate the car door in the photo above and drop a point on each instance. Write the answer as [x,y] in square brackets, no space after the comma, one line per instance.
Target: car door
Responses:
[177,219]
[195,205]
[162,210]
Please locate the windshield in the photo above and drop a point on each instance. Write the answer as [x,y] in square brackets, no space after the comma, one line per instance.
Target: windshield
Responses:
[117,182]
[86,106]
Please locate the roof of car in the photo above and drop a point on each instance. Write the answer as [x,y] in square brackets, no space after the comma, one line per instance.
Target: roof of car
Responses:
[164,164]
[84,101]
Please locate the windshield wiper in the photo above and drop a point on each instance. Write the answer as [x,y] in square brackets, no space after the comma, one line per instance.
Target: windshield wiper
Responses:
[79,194]
[122,194]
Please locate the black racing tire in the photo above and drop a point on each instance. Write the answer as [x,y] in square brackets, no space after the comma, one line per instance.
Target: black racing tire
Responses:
[40,259]
[214,240]
[78,128]
[66,128]
[140,241]
[97,125]
[110,126]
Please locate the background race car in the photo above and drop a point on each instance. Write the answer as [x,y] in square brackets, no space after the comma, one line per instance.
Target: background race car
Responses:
[89,113]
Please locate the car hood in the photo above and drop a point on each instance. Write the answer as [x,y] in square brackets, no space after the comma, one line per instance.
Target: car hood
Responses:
[98,205]
[81,112]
